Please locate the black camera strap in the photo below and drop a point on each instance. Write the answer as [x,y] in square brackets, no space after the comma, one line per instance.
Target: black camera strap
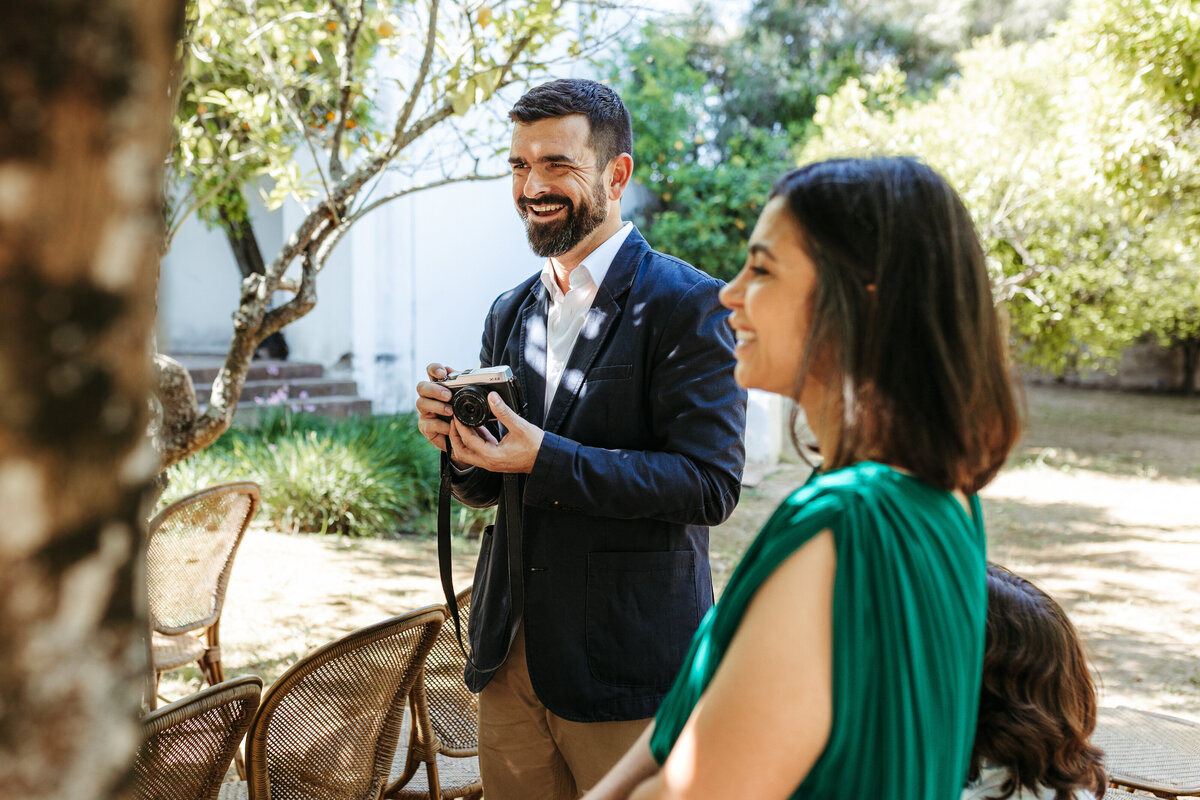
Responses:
[516,579]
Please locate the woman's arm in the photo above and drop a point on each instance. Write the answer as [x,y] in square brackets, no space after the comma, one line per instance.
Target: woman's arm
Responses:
[766,716]
[634,767]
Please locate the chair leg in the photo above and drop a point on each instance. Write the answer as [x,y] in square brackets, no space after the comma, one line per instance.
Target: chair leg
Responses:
[239,762]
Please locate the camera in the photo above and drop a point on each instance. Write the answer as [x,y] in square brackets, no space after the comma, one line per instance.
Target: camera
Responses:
[469,390]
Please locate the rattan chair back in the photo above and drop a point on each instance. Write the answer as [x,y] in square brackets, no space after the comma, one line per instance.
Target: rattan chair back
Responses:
[453,708]
[445,737]
[190,555]
[187,746]
[329,727]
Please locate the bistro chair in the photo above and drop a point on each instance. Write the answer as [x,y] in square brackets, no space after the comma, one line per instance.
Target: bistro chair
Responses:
[329,727]
[187,746]
[1152,752]
[188,561]
[445,738]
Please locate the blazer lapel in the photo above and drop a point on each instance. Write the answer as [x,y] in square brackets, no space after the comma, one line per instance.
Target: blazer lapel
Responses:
[605,310]
[531,371]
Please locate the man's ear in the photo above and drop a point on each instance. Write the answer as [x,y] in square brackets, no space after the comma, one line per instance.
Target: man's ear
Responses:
[622,172]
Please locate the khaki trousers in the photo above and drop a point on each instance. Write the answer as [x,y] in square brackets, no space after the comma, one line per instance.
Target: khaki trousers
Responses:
[528,753]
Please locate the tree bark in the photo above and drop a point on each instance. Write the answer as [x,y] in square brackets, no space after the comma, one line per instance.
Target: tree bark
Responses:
[1191,355]
[246,251]
[85,109]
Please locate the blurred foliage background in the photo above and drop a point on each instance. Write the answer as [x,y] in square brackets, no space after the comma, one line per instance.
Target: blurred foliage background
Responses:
[1071,130]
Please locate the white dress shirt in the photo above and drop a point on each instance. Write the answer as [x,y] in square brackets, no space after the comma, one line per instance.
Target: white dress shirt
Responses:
[991,778]
[567,310]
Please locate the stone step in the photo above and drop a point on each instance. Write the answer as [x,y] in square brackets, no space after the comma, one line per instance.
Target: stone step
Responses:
[204,369]
[337,406]
[270,382]
[279,390]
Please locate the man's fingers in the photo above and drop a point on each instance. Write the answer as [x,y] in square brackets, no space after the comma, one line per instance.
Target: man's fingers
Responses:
[433,390]
[438,371]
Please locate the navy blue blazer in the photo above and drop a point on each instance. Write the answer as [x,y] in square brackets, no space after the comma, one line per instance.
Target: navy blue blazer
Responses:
[643,450]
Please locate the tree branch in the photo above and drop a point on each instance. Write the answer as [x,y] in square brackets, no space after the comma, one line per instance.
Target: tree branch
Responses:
[335,159]
[362,212]
[288,102]
[419,83]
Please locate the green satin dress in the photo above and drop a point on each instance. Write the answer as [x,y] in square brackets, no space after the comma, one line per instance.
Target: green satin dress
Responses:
[908,624]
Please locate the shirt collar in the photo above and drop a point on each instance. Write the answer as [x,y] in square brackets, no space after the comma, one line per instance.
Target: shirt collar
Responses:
[592,269]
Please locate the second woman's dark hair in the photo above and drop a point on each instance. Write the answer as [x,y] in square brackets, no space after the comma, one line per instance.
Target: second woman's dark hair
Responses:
[903,316]
[1037,704]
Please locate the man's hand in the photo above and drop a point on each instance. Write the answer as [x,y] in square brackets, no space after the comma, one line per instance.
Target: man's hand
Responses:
[477,446]
[433,406]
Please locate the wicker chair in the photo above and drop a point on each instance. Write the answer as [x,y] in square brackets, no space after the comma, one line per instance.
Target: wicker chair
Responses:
[329,727]
[188,560]
[1156,753]
[187,745]
[445,738]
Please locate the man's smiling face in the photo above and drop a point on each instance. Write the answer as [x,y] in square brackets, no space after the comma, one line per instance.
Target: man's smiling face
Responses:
[557,186]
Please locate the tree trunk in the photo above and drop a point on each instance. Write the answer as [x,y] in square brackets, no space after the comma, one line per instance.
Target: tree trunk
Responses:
[244,244]
[85,113]
[1191,355]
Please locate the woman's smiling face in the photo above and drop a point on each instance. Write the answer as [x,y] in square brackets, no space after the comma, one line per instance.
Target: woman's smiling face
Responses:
[771,301]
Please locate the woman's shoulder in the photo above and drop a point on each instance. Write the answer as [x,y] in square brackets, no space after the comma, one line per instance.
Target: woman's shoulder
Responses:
[832,492]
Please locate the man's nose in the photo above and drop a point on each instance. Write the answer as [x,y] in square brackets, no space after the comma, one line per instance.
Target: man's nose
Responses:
[535,183]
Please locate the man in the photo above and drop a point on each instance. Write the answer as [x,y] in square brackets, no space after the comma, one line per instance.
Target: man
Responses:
[630,447]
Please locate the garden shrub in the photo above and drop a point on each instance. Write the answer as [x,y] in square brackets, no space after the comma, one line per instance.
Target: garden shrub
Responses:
[361,476]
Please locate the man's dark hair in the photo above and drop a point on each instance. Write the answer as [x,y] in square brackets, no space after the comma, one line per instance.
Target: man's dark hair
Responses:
[903,318]
[1037,704]
[608,120]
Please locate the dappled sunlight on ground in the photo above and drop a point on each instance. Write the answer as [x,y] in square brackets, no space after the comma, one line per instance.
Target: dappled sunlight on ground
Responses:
[1122,555]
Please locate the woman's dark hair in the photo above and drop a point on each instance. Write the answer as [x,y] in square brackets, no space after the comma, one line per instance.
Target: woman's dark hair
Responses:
[610,131]
[1037,704]
[903,315]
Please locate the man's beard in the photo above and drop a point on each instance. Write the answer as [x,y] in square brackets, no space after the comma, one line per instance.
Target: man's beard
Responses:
[551,239]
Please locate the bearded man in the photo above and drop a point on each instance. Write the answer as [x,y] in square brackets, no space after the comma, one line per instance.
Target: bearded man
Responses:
[629,448]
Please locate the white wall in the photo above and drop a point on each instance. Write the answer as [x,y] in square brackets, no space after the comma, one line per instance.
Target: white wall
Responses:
[426,272]
[199,283]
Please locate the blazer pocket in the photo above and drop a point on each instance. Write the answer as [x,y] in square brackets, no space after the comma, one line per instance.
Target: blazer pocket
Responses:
[640,615]
[609,372]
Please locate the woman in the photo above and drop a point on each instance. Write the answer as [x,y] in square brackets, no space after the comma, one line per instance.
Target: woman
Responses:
[844,656]
[1037,707]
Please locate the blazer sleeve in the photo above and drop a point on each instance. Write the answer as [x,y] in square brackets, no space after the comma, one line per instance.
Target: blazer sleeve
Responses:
[699,413]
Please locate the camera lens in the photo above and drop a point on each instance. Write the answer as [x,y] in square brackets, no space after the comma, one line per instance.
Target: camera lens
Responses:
[470,406]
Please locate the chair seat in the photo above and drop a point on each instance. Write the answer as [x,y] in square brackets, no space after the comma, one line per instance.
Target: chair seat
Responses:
[237,790]
[1122,794]
[1148,750]
[175,651]
[456,777]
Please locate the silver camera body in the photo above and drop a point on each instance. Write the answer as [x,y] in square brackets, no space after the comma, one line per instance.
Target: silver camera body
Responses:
[469,389]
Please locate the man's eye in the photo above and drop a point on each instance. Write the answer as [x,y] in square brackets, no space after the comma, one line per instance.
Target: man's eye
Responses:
[755,269]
